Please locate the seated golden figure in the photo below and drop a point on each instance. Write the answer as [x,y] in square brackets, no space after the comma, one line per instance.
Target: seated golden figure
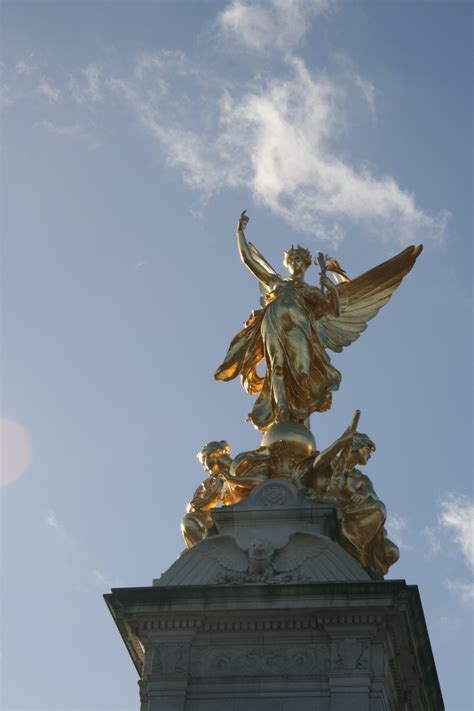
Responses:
[363,514]
[197,524]
[229,481]
[332,476]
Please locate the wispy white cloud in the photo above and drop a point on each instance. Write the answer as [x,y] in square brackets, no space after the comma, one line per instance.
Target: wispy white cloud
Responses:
[49,91]
[140,264]
[163,66]
[26,66]
[449,623]
[368,91]
[104,581]
[181,121]
[365,87]
[463,589]
[77,562]
[279,134]
[277,137]
[74,130]
[269,25]
[286,132]
[433,541]
[88,87]
[397,528]
[6,94]
[52,521]
[457,516]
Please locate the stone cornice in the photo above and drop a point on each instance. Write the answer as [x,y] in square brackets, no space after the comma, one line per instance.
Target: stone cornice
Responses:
[386,614]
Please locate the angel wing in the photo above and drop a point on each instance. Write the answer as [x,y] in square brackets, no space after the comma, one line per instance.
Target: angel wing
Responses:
[361,299]
[266,267]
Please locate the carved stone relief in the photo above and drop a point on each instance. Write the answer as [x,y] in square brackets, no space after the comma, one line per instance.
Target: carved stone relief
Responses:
[260,660]
[170,658]
[351,654]
[273,495]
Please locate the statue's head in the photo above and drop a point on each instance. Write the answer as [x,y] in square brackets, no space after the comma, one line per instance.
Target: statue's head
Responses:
[362,448]
[297,260]
[210,453]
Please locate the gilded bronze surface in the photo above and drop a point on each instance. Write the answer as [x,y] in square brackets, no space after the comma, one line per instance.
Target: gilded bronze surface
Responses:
[229,481]
[332,475]
[291,334]
[363,514]
[197,523]
[296,326]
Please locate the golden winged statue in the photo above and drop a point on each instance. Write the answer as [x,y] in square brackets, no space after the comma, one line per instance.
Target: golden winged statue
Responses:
[296,326]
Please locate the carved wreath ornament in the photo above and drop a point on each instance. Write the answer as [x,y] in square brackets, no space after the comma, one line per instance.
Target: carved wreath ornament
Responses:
[273,495]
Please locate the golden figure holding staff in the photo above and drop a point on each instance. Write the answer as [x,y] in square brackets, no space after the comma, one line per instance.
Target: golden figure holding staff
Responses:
[331,475]
[296,325]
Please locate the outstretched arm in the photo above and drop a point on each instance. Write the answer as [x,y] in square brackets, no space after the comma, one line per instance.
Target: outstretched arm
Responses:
[247,255]
[324,458]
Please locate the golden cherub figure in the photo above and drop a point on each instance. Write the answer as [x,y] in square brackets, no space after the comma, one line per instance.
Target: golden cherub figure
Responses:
[296,326]
[230,480]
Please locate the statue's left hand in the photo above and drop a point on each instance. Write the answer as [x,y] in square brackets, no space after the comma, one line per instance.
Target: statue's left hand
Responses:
[326,281]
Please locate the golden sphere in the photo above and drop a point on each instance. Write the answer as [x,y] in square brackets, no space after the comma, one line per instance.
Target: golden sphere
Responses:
[300,440]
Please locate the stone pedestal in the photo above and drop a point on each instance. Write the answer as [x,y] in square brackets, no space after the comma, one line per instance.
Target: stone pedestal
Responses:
[272,615]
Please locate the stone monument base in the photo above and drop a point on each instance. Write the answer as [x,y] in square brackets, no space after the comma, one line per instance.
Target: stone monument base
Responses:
[271,614]
[330,646]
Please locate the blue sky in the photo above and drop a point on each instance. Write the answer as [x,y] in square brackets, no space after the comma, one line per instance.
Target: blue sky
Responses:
[134,135]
